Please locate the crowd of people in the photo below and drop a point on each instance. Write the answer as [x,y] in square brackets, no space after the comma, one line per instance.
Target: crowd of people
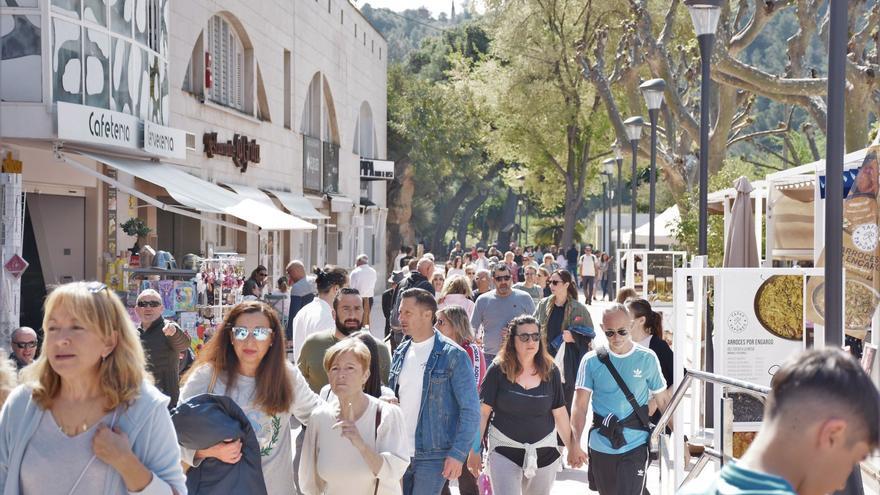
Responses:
[485,378]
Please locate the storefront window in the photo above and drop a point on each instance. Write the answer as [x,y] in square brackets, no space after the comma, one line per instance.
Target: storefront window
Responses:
[331,167]
[118,65]
[311,164]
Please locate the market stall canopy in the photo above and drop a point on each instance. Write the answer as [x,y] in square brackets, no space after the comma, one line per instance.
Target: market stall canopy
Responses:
[201,195]
[741,250]
[716,199]
[298,205]
[664,226]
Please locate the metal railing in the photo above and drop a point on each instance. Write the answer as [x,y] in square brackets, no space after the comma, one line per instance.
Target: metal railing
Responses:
[725,454]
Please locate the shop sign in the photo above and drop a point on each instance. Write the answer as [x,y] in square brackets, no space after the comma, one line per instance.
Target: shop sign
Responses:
[377,169]
[98,126]
[10,165]
[16,265]
[164,141]
[239,149]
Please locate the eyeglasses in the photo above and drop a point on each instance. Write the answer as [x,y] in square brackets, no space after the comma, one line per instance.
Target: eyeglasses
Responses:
[620,331]
[260,333]
[525,337]
[25,345]
[503,278]
[150,304]
[556,282]
[95,287]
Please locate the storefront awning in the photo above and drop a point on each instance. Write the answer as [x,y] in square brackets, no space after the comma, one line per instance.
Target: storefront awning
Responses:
[298,205]
[251,193]
[202,195]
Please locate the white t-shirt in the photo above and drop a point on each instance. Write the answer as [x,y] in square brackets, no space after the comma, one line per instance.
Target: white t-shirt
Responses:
[363,278]
[314,317]
[588,265]
[410,387]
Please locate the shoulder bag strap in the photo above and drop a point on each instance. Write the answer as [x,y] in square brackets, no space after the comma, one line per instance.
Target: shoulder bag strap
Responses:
[602,354]
[376,436]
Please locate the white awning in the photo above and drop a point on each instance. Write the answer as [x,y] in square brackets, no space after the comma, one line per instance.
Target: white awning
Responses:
[340,203]
[202,195]
[298,205]
[251,193]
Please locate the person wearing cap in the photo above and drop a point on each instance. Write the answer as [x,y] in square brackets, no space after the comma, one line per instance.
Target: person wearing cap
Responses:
[363,279]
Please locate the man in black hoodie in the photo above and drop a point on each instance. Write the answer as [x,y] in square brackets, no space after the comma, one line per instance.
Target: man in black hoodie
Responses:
[418,279]
[163,342]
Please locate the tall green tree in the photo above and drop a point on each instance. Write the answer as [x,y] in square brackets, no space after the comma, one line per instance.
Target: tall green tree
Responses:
[545,116]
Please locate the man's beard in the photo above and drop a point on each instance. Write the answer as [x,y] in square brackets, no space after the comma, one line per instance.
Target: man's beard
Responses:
[344,330]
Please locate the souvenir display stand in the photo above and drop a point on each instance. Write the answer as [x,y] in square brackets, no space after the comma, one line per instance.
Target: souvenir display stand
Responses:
[176,287]
[219,282]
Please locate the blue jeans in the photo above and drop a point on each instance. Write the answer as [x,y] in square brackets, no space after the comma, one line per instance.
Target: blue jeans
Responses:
[424,477]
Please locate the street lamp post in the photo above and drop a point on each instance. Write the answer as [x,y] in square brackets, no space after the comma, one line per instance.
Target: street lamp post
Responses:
[633,133]
[704,14]
[834,149]
[653,92]
[618,158]
[607,193]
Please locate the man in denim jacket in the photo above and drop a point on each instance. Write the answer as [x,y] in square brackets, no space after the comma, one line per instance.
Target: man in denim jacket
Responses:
[434,381]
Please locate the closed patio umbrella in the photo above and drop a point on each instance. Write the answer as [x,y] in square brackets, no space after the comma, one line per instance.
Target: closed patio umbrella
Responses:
[741,250]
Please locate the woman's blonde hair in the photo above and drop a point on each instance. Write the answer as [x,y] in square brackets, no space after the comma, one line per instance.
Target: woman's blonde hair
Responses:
[354,346]
[458,284]
[97,309]
[458,319]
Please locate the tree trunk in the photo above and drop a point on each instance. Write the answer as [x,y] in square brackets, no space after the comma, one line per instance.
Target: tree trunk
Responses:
[400,198]
[467,214]
[508,216]
[858,107]
[445,214]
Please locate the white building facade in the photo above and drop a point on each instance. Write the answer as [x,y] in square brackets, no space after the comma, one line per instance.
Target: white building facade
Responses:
[256,127]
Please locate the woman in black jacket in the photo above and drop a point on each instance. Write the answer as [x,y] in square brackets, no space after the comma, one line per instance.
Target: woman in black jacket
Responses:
[647,330]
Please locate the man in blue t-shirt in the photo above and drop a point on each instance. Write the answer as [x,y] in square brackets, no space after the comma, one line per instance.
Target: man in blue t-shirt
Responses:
[821,419]
[618,450]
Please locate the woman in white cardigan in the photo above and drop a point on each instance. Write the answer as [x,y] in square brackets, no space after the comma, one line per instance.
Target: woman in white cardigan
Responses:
[356,446]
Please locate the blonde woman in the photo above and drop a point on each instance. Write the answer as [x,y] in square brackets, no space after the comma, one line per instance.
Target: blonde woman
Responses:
[356,445]
[86,418]
[457,292]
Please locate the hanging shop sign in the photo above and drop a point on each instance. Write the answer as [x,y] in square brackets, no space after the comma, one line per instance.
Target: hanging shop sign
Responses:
[239,149]
[377,169]
[84,124]
[16,265]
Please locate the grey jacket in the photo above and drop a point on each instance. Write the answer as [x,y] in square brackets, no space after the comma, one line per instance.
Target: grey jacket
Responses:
[146,422]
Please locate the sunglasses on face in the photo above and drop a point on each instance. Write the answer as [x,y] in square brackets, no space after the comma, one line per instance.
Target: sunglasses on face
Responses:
[620,331]
[502,278]
[25,345]
[149,304]
[260,333]
[525,337]
[556,282]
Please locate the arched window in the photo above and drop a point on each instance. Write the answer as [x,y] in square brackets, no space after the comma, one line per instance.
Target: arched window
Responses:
[365,133]
[227,57]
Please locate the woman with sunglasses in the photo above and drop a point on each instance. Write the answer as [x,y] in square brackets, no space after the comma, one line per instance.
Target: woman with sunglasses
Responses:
[86,418]
[523,389]
[245,360]
[254,285]
[566,324]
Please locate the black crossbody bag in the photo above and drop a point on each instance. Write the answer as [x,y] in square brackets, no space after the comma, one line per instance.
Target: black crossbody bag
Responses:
[602,354]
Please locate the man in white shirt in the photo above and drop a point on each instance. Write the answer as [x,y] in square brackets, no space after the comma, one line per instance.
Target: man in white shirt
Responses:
[588,264]
[317,315]
[481,263]
[363,279]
